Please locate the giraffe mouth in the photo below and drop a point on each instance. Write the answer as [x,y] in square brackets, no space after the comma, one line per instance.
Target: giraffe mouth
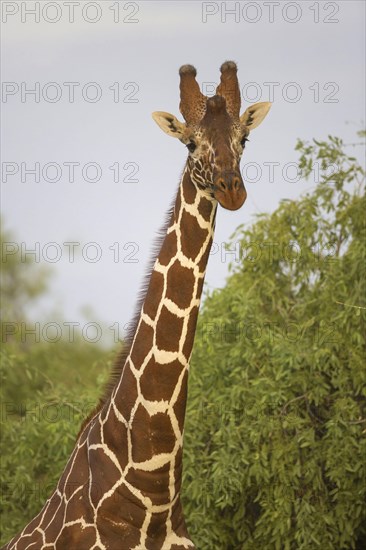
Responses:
[230,196]
[231,203]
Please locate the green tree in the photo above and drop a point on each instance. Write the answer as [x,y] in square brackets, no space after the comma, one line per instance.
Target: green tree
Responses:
[39,430]
[22,280]
[275,440]
[46,391]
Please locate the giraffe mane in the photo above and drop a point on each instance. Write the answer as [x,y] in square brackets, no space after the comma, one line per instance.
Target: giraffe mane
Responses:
[120,359]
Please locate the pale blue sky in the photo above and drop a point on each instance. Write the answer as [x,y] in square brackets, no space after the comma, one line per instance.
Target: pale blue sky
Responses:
[319,63]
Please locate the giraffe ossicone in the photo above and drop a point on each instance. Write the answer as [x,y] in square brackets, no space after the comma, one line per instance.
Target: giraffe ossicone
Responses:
[120,489]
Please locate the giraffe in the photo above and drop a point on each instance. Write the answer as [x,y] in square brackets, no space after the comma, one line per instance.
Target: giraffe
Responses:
[120,489]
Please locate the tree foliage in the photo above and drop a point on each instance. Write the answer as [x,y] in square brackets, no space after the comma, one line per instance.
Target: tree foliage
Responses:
[46,391]
[22,279]
[275,440]
[45,396]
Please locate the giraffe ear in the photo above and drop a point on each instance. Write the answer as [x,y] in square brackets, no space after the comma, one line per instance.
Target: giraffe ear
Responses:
[169,124]
[254,115]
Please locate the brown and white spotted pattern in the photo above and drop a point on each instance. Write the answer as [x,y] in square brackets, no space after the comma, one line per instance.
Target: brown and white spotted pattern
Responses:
[120,489]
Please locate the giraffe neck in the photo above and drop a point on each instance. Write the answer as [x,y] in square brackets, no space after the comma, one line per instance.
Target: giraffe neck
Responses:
[155,373]
[150,398]
[122,481]
[166,327]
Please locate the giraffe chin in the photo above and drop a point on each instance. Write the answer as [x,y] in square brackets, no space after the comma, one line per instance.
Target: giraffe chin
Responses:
[231,201]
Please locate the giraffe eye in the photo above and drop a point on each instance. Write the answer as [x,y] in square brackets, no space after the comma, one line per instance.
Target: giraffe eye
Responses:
[191,146]
[243,141]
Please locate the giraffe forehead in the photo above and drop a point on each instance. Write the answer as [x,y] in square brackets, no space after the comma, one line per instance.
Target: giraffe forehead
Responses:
[216,123]
[218,137]
[218,127]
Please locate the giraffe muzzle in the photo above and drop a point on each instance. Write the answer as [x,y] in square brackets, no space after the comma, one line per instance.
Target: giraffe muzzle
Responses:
[229,191]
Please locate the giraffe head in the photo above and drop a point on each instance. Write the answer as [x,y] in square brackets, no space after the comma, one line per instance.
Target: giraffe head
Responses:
[214,133]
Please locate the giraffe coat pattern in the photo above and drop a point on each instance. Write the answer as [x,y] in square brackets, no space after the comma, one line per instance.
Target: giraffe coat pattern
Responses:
[120,489]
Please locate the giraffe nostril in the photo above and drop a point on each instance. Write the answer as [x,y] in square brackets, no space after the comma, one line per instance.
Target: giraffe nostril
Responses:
[222,185]
[236,184]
